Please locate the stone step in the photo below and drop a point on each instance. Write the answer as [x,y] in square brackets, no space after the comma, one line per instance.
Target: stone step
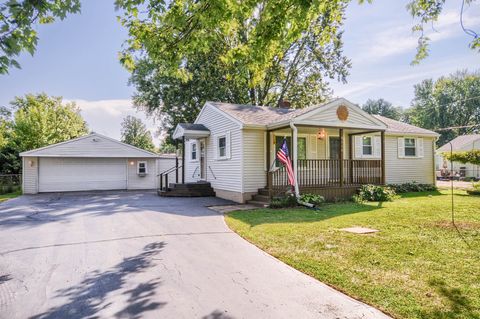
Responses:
[263,191]
[261,198]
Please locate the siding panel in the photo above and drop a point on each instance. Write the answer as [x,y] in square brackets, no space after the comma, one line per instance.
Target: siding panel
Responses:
[404,170]
[330,117]
[142,182]
[254,171]
[30,175]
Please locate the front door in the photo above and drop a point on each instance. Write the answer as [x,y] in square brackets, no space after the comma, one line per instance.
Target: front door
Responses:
[203,164]
[334,147]
[334,151]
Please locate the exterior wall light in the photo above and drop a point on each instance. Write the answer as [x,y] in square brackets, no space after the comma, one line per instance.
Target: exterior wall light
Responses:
[321,134]
[31,163]
[132,163]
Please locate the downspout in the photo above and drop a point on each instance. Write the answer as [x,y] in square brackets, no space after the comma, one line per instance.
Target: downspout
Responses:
[294,157]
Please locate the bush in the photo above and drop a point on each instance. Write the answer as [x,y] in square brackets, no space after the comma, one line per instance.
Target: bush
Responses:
[476,189]
[412,187]
[5,189]
[313,199]
[375,193]
[284,202]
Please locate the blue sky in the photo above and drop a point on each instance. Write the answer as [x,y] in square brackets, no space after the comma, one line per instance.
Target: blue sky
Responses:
[77,59]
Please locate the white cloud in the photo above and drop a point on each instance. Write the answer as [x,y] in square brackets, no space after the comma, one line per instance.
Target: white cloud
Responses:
[397,87]
[105,116]
[400,39]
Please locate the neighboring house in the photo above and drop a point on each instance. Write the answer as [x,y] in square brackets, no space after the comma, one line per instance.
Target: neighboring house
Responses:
[91,162]
[460,143]
[335,147]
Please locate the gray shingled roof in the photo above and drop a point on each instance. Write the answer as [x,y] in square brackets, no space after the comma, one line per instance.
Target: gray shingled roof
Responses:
[262,115]
[461,141]
[193,127]
[252,114]
[394,126]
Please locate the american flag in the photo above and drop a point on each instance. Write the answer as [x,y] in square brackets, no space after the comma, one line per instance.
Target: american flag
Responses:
[284,157]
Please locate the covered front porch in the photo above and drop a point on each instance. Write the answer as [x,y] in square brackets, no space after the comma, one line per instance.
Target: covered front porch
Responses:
[331,161]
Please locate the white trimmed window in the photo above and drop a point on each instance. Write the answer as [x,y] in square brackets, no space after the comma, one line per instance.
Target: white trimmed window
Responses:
[367,146]
[141,167]
[193,151]
[222,147]
[410,147]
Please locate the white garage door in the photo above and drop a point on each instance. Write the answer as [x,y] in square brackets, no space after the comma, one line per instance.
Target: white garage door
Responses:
[82,174]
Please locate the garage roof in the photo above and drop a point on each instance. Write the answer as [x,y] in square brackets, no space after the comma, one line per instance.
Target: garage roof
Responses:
[92,145]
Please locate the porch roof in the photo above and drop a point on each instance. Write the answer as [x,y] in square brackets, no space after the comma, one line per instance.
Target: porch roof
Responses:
[189,130]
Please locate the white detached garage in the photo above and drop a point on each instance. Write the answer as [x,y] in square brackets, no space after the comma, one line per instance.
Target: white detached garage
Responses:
[91,162]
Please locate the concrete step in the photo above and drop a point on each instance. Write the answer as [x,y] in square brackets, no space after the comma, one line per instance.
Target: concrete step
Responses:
[173,193]
[190,186]
[257,203]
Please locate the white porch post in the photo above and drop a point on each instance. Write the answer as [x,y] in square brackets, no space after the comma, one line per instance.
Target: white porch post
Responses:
[294,157]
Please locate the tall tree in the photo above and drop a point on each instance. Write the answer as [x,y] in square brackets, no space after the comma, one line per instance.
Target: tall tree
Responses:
[41,120]
[38,120]
[450,101]
[184,52]
[5,125]
[134,132]
[17,21]
[382,107]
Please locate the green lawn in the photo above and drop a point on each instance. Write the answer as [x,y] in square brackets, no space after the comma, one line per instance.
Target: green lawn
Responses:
[8,196]
[417,266]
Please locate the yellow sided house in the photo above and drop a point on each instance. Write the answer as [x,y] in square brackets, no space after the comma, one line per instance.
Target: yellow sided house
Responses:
[335,147]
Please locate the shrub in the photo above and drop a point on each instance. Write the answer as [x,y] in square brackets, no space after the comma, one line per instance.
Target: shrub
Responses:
[5,189]
[284,202]
[313,199]
[475,190]
[412,187]
[375,193]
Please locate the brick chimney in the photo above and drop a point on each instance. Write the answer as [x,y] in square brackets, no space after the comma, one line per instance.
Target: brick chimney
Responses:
[284,104]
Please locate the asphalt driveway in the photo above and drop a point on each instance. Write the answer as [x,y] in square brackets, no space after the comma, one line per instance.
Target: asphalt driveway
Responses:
[136,255]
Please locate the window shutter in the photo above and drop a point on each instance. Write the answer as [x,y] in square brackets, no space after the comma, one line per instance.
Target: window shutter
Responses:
[420,147]
[228,149]
[358,146]
[312,148]
[215,147]
[401,147]
[377,147]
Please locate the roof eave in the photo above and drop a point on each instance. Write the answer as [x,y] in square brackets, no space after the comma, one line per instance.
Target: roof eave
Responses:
[89,156]
[398,133]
